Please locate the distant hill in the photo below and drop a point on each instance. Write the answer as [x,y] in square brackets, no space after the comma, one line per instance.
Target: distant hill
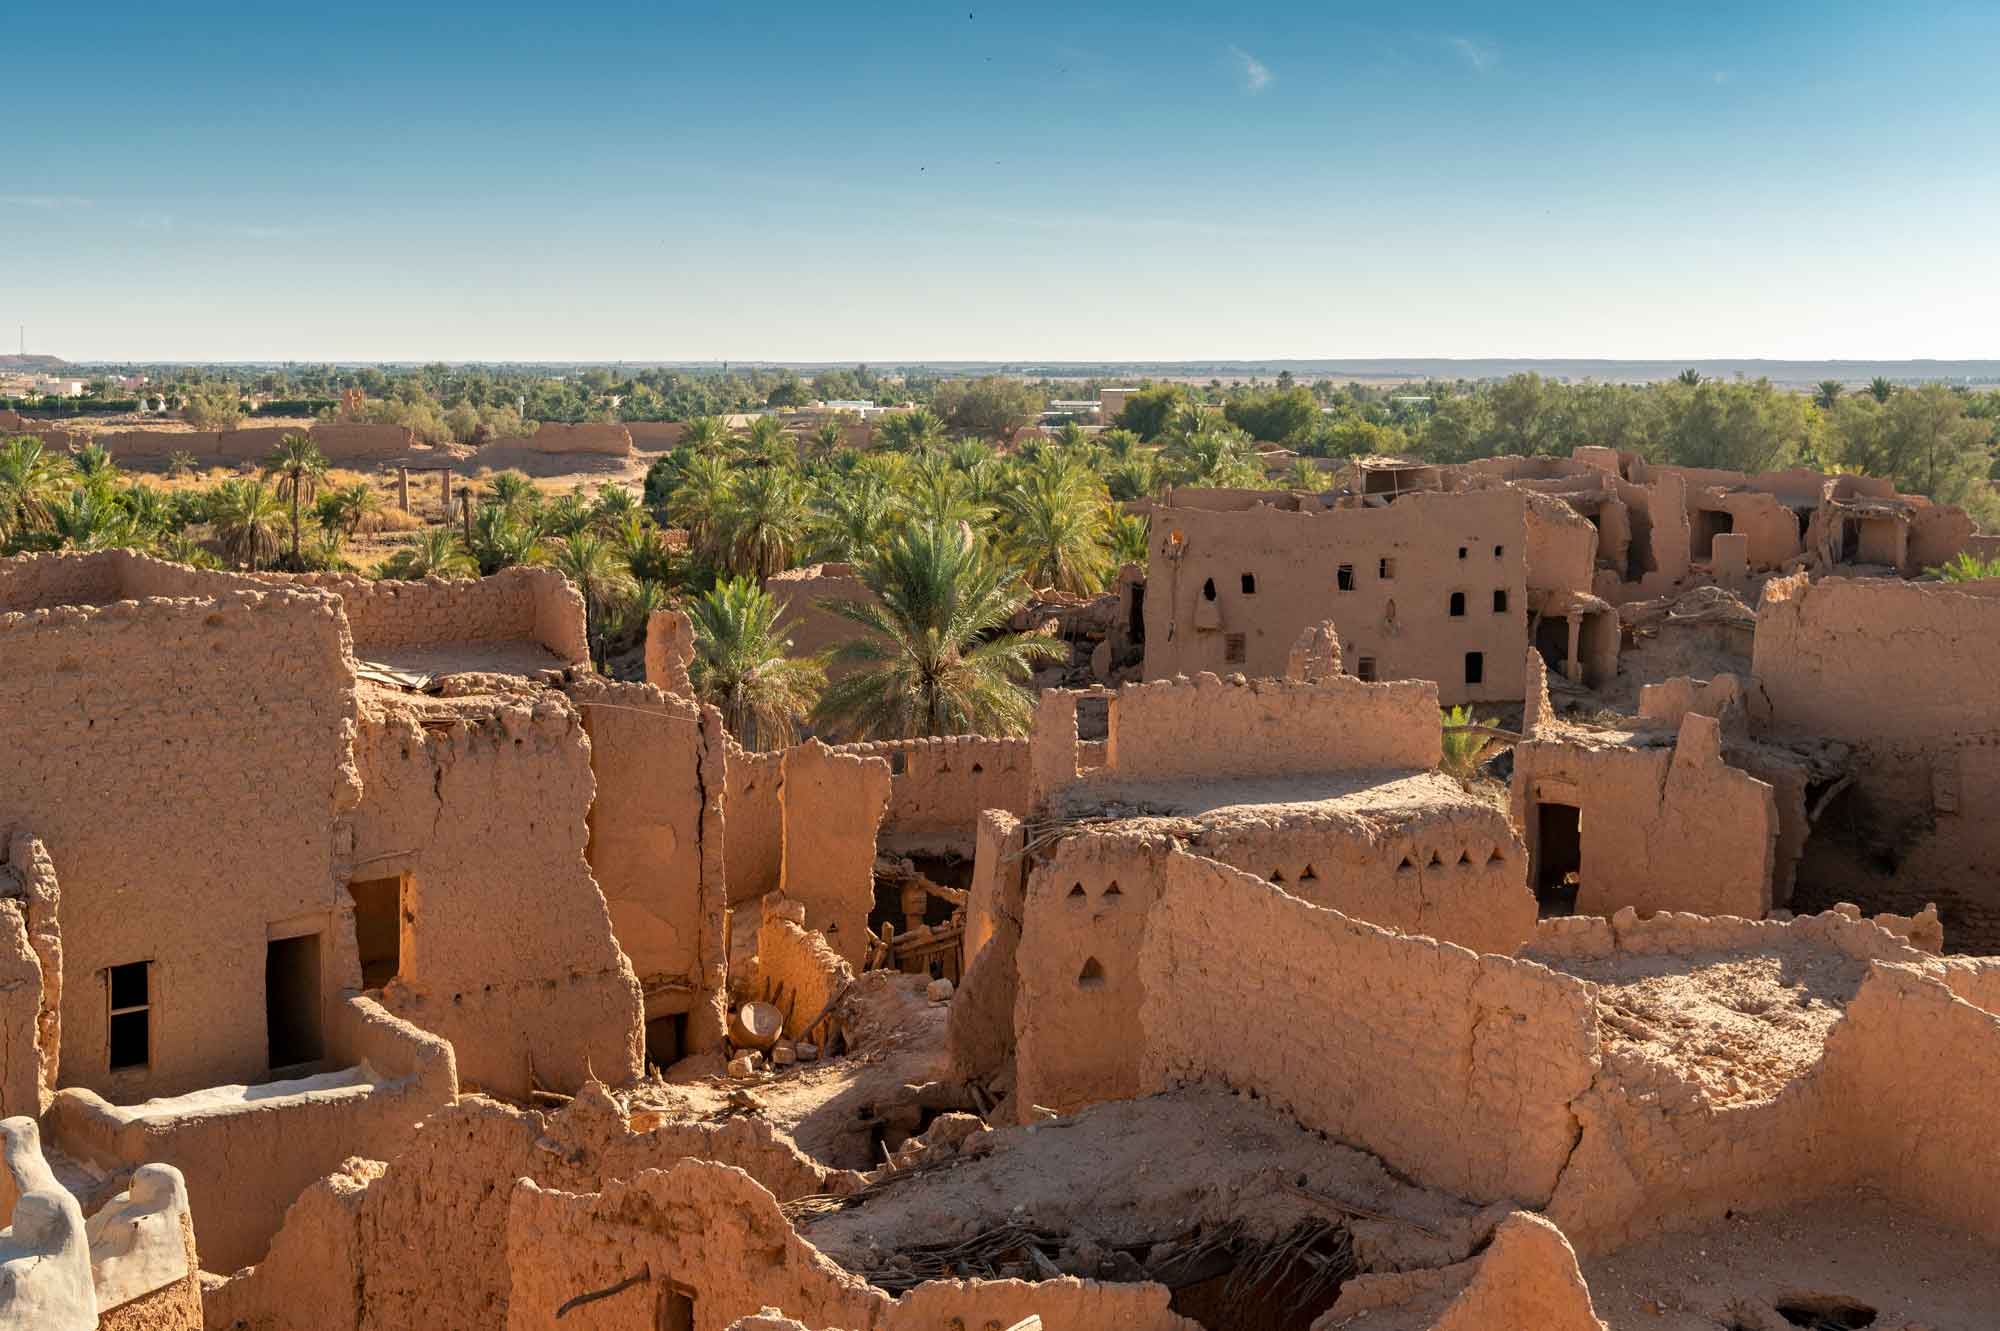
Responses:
[14,362]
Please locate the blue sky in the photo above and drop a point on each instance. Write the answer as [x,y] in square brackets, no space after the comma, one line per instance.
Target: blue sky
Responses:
[1119,181]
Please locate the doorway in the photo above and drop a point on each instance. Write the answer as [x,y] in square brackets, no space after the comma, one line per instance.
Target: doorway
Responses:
[1710,523]
[292,1001]
[378,929]
[674,1310]
[1558,862]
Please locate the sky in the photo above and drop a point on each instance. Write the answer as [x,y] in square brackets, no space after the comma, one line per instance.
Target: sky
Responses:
[905,182]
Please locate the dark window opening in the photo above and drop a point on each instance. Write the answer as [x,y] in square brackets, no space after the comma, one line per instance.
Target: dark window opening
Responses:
[1234,649]
[666,1040]
[1709,524]
[130,991]
[674,1310]
[1461,552]
[1091,976]
[1499,550]
[1552,641]
[1386,569]
[378,929]
[1458,605]
[1475,667]
[1558,857]
[1850,541]
[1500,602]
[1208,590]
[1249,584]
[1093,718]
[1343,577]
[1639,559]
[1135,624]
[1364,669]
[292,1001]
[899,763]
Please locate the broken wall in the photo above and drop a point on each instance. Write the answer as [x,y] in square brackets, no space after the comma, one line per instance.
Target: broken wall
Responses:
[1661,828]
[754,815]
[939,787]
[481,806]
[604,438]
[832,803]
[184,763]
[812,629]
[1905,673]
[31,945]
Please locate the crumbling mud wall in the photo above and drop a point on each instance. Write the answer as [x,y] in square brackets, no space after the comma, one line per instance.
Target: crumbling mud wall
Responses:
[604,438]
[421,1241]
[297,1132]
[1455,1068]
[1416,855]
[1526,1278]
[797,971]
[31,977]
[941,786]
[1415,589]
[832,804]
[1904,673]
[754,814]
[656,844]
[480,806]
[184,763]
[1208,729]
[338,442]
[40,582]
[813,629]
[1659,828]
[979,1030]
[1561,547]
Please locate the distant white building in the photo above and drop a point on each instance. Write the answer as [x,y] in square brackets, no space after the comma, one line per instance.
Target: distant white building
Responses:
[50,386]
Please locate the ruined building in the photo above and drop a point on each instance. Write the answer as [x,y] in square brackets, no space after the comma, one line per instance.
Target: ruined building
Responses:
[371,963]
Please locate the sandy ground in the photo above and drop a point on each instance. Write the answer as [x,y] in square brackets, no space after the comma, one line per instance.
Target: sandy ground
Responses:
[1739,1025]
[1854,1245]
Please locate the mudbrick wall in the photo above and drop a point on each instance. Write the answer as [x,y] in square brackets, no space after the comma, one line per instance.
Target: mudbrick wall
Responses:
[1455,1068]
[183,762]
[32,930]
[940,787]
[755,817]
[1905,673]
[1414,588]
[1662,828]
[832,805]
[1209,729]
[480,804]
[656,843]
[340,443]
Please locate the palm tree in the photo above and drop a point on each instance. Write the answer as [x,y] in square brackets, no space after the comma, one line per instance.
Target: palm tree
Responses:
[1055,526]
[355,504]
[1127,534]
[644,549]
[436,553]
[614,504]
[30,480]
[1827,393]
[937,493]
[592,565]
[854,516]
[706,434]
[700,501]
[911,431]
[89,518]
[931,664]
[93,463]
[511,490]
[246,516]
[829,437]
[502,540]
[769,439]
[1303,475]
[766,520]
[743,665]
[1212,457]
[1880,388]
[299,468]
[1690,378]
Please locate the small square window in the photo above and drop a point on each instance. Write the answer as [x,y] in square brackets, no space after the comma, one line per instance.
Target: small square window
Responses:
[1500,602]
[1343,577]
[1499,550]
[1458,605]
[1386,569]
[1249,584]
[1461,552]
[1364,669]
[1233,648]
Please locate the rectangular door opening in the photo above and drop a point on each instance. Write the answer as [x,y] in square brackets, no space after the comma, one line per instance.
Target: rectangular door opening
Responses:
[666,1040]
[675,1309]
[292,1001]
[378,929]
[1708,525]
[1558,860]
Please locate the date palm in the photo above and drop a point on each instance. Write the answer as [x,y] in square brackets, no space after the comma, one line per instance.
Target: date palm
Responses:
[247,517]
[502,540]
[1880,388]
[935,661]
[31,479]
[594,568]
[854,515]
[744,666]
[1054,518]
[706,434]
[766,520]
[1827,393]
[701,500]
[436,553]
[299,469]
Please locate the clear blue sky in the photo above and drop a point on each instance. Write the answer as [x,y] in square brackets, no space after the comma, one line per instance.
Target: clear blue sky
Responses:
[1113,181]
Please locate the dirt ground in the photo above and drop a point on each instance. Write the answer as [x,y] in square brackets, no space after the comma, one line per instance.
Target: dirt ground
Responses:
[1741,1026]
[1745,1273]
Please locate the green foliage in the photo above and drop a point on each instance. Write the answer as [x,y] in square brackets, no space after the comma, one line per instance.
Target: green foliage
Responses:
[743,665]
[1151,410]
[299,469]
[1966,567]
[593,567]
[935,661]
[247,517]
[1921,438]
[435,553]
[991,405]
[214,407]
[1463,751]
[1054,518]
[1274,417]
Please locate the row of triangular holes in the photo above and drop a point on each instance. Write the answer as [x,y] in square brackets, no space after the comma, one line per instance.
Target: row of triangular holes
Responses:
[1464,859]
[1112,891]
